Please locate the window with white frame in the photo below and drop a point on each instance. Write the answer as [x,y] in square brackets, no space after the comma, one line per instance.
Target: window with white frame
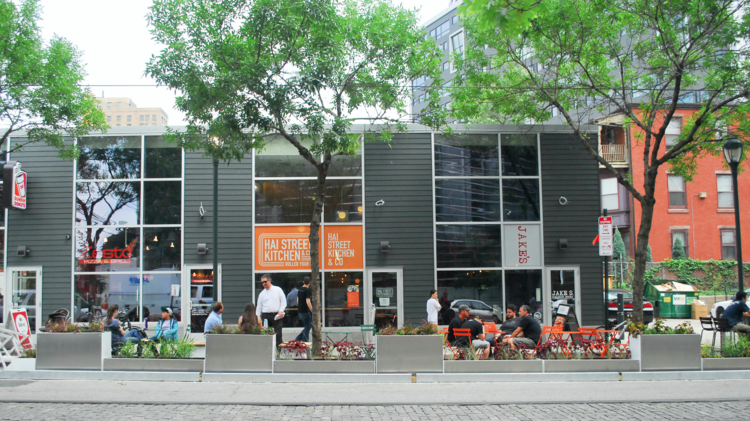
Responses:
[728,245]
[672,134]
[724,190]
[610,195]
[457,43]
[677,195]
[128,225]
[682,235]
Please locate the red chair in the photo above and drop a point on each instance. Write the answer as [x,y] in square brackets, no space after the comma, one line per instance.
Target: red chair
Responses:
[464,333]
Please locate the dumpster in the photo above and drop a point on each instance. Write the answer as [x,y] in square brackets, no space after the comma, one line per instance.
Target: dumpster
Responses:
[673,298]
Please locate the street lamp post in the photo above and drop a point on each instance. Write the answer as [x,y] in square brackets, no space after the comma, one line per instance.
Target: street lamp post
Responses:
[215,274]
[733,155]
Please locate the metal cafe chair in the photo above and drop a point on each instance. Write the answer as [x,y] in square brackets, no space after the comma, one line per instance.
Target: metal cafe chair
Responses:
[722,326]
[707,324]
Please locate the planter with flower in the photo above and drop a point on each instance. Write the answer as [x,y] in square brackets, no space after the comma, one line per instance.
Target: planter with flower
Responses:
[69,346]
[503,359]
[336,357]
[663,348]
[409,350]
[163,356]
[733,355]
[231,349]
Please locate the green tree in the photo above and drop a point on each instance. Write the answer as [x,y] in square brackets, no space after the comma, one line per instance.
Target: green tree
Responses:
[247,69]
[636,59]
[40,90]
[649,258]
[618,251]
[678,250]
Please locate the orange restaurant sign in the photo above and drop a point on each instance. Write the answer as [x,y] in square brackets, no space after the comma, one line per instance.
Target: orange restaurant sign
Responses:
[288,247]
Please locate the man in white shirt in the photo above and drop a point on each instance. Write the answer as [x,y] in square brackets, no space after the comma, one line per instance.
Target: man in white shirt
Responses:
[433,307]
[271,306]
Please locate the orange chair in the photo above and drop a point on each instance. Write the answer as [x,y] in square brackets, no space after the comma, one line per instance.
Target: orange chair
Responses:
[453,350]
[464,333]
[490,328]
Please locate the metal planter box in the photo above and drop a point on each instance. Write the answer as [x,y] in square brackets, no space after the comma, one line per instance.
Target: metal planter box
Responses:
[324,366]
[590,366]
[710,364]
[409,354]
[239,353]
[73,351]
[667,352]
[153,364]
[494,366]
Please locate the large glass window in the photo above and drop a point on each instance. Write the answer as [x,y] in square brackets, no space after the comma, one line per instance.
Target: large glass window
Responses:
[279,158]
[109,158]
[468,246]
[284,202]
[128,220]
[521,200]
[343,299]
[524,287]
[520,155]
[343,201]
[467,200]
[469,155]
[481,290]
[289,283]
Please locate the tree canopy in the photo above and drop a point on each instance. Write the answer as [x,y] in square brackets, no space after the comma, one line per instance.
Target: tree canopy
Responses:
[638,60]
[40,83]
[248,69]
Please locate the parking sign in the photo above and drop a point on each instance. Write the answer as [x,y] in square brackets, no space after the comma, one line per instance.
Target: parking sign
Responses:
[606,234]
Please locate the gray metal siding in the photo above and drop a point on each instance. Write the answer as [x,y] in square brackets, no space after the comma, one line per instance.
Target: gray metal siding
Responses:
[45,223]
[401,175]
[235,225]
[569,171]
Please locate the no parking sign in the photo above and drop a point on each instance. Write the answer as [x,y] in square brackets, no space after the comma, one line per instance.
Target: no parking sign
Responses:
[21,323]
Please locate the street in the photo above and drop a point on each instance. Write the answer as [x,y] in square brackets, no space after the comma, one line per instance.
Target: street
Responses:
[624,411]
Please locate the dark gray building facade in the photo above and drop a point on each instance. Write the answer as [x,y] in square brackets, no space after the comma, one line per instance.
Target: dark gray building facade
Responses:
[498,215]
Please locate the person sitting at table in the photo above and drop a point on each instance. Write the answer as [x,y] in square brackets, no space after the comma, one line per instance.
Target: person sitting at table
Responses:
[527,332]
[457,322]
[511,321]
[477,336]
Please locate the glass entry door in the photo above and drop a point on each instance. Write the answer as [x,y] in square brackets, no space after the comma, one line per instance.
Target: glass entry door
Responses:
[198,282]
[565,288]
[385,292]
[25,292]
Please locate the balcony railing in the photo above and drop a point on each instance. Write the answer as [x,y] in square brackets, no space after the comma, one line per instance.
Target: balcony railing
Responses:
[615,154]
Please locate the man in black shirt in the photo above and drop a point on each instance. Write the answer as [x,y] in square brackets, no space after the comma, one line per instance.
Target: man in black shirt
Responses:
[529,327]
[511,321]
[303,308]
[477,336]
[457,322]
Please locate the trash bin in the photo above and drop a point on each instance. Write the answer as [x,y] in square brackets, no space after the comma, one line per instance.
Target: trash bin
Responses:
[674,298]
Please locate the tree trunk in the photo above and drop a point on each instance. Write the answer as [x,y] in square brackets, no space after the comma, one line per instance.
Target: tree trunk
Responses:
[641,251]
[315,287]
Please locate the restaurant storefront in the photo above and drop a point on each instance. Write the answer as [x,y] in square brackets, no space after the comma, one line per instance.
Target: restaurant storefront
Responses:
[480,217]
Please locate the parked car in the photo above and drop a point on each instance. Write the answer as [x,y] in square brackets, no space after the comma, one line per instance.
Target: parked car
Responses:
[648,308]
[478,308]
[718,309]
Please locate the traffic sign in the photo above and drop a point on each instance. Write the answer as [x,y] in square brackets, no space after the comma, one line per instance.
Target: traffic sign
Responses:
[606,236]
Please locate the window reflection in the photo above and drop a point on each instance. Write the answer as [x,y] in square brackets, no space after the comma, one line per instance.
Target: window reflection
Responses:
[524,287]
[519,155]
[162,248]
[279,158]
[521,200]
[109,158]
[468,155]
[284,201]
[162,202]
[467,200]
[107,249]
[481,290]
[108,203]
[163,159]
[468,246]
[343,201]
[96,293]
[157,295]
[345,165]
[344,294]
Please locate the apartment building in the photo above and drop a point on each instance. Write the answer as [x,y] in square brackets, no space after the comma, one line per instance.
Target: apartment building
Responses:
[122,111]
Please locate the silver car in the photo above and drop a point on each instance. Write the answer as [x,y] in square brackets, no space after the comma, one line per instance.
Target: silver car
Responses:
[479,309]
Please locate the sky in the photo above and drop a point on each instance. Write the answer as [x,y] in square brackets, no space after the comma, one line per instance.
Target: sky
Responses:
[115,42]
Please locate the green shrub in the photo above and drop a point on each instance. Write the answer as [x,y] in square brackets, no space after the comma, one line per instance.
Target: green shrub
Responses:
[409,330]
[237,330]
[737,348]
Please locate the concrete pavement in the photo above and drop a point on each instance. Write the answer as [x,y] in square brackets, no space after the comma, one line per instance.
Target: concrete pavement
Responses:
[132,392]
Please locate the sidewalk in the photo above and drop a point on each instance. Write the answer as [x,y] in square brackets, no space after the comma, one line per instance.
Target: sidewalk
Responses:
[124,392]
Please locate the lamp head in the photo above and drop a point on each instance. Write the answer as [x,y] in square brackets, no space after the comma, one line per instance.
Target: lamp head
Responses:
[733,151]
